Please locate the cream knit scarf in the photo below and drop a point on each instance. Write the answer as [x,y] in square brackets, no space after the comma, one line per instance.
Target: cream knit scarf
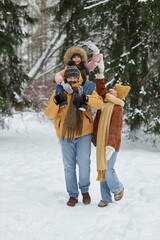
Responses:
[103,133]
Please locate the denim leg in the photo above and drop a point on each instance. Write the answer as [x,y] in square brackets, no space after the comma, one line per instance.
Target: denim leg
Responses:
[88,88]
[113,182]
[59,89]
[105,192]
[83,161]
[69,162]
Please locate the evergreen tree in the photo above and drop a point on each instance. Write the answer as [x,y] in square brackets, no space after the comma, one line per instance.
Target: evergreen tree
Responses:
[12,76]
[130,48]
[127,33]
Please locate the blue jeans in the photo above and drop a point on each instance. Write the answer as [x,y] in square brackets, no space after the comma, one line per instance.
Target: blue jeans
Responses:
[59,89]
[112,183]
[88,88]
[78,152]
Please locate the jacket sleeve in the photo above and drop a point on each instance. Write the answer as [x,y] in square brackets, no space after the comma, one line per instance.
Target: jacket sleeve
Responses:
[58,78]
[95,101]
[101,90]
[51,109]
[95,127]
[95,58]
[100,87]
[115,127]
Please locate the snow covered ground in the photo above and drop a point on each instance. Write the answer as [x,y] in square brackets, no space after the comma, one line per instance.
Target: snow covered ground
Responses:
[33,195]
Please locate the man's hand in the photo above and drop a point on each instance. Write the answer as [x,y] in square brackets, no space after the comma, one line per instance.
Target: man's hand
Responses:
[60,98]
[80,99]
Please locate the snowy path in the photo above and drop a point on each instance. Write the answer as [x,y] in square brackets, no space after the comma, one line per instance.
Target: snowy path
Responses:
[33,196]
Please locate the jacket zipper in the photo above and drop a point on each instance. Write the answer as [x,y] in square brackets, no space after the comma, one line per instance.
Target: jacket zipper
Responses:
[59,123]
[88,118]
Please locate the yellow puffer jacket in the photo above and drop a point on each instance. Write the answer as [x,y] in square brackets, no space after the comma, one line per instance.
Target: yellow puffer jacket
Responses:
[53,111]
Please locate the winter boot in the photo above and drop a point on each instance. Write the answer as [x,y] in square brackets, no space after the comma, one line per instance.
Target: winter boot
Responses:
[72,202]
[63,104]
[118,196]
[86,198]
[83,107]
[102,204]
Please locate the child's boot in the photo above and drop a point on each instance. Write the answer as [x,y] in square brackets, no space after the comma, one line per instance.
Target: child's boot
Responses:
[80,102]
[83,107]
[63,104]
[61,99]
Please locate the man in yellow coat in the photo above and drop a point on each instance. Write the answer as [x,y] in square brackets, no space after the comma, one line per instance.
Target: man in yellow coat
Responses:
[74,129]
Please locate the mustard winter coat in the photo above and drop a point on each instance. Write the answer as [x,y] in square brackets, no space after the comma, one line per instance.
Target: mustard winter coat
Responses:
[58,115]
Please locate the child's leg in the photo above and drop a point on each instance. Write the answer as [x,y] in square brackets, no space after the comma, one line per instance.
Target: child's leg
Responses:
[88,88]
[113,182]
[59,89]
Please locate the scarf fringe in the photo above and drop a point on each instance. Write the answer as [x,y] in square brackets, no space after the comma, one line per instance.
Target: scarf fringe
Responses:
[73,123]
[70,133]
[101,175]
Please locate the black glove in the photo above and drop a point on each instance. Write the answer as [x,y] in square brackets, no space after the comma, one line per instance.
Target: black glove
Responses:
[80,99]
[60,98]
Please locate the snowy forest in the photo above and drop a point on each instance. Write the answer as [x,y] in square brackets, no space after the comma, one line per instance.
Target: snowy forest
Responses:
[35,35]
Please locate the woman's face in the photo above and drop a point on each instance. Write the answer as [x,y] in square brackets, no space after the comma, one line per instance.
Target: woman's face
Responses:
[77,60]
[113,91]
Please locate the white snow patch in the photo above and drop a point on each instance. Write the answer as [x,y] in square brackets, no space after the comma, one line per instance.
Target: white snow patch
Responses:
[142,91]
[142,0]
[33,195]
[131,62]
[125,54]
[121,66]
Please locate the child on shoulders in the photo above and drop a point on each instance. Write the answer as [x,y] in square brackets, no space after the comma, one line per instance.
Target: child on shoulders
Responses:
[78,55]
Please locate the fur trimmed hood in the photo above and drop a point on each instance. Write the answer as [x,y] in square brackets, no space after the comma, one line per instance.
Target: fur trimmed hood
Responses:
[71,51]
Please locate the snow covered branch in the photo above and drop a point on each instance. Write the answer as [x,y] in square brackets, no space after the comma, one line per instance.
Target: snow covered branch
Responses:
[40,62]
[96,4]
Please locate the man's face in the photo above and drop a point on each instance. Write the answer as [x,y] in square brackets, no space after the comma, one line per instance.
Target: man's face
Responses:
[72,80]
[113,91]
[76,59]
